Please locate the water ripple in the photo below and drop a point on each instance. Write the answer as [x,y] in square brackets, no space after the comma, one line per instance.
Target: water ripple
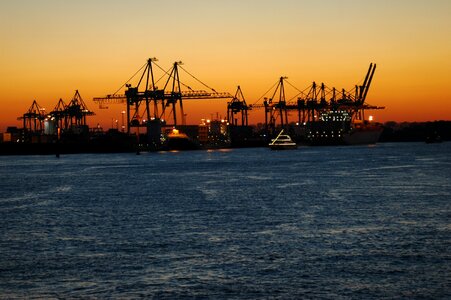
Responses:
[317,223]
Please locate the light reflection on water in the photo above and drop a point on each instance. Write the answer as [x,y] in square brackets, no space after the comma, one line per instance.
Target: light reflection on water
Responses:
[326,222]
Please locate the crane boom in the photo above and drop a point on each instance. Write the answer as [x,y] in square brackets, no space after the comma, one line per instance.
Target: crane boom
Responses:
[186,95]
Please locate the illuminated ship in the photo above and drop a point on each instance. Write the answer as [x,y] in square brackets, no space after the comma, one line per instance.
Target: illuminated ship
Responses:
[342,121]
[282,142]
[337,127]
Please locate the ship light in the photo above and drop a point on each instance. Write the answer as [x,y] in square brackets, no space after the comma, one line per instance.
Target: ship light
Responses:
[370,118]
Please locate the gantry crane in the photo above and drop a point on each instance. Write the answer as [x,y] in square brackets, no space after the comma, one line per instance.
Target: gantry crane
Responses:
[157,101]
[63,116]
[59,115]
[76,111]
[237,106]
[312,102]
[33,119]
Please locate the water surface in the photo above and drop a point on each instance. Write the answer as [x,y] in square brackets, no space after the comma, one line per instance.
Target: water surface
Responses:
[369,222]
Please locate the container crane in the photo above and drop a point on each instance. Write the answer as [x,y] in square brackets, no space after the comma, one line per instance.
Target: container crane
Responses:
[313,102]
[59,114]
[33,118]
[169,96]
[237,105]
[77,111]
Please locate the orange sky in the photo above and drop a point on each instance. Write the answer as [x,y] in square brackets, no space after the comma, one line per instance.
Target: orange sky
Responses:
[50,48]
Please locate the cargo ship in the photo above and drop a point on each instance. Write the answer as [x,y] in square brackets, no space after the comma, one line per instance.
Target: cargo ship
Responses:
[338,128]
[341,121]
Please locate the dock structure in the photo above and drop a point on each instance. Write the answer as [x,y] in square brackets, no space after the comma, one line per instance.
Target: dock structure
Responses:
[317,111]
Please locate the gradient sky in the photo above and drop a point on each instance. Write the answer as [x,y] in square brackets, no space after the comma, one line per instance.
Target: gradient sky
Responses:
[50,48]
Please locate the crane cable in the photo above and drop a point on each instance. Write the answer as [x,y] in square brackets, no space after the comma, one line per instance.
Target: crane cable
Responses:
[266,92]
[167,73]
[300,92]
[129,79]
[197,79]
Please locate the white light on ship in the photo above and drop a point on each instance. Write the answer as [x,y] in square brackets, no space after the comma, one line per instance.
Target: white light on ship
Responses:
[370,118]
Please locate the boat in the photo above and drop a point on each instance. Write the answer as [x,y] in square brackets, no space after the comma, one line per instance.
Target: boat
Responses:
[282,142]
[338,128]
[341,121]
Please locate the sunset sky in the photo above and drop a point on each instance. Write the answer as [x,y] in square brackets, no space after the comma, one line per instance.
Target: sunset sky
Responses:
[50,48]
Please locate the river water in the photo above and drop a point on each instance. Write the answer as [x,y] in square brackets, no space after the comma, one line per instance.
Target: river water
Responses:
[360,222]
